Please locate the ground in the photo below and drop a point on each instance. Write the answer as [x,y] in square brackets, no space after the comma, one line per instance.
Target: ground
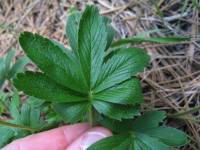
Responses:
[170,83]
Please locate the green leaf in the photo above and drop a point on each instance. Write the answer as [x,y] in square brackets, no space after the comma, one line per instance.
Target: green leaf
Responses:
[117,142]
[72,26]
[18,67]
[115,111]
[168,135]
[39,85]
[149,120]
[62,47]
[129,142]
[146,134]
[116,126]
[35,102]
[5,65]
[2,71]
[91,44]
[138,39]
[84,75]
[72,29]
[8,60]
[120,67]
[25,114]
[196,5]
[12,124]
[129,92]
[6,135]
[136,55]
[14,106]
[72,112]
[30,116]
[51,59]
[110,31]
[151,143]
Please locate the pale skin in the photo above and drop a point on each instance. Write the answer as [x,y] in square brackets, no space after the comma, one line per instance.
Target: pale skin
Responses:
[70,137]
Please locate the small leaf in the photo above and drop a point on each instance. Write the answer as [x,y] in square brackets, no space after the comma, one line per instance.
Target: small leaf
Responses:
[2,71]
[151,143]
[115,111]
[14,106]
[121,66]
[117,142]
[146,134]
[110,31]
[116,126]
[35,119]
[129,92]
[138,39]
[18,67]
[6,135]
[116,70]
[149,120]
[71,112]
[8,60]
[92,38]
[39,85]
[51,59]
[25,115]
[139,58]
[72,29]
[168,135]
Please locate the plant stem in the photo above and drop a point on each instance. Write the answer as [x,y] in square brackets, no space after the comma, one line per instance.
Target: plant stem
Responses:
[90,116]
[90,110]
[3,123]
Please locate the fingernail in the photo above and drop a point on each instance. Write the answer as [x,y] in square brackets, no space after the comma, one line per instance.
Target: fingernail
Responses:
[91,138]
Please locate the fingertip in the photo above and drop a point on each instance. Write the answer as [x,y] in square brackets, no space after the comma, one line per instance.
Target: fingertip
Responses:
[89,137]
[58,138]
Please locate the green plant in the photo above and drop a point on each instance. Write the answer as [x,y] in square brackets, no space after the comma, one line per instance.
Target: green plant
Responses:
[25,119]
[8,69]
[94,82]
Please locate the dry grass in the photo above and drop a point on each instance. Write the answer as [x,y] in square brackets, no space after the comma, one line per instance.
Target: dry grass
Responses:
[171,83]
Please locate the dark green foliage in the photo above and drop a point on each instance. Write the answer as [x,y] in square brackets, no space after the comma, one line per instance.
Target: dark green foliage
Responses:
[91,81]
[8,69]
[82,77]
[25,120]
[144,133]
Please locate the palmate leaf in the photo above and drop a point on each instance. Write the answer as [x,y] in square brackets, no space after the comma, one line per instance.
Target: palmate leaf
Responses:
[83,78]
[144,133]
